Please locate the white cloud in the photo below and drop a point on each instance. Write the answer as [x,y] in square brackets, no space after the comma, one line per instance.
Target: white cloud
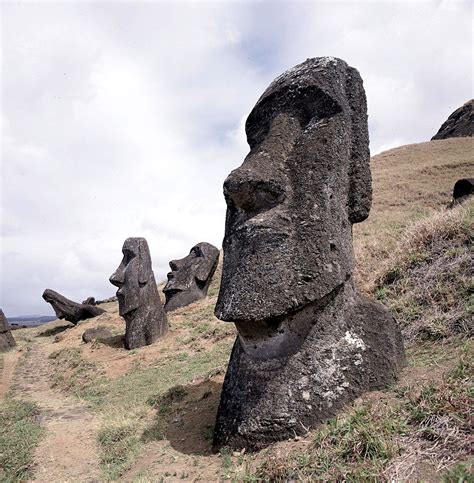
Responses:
[123,119]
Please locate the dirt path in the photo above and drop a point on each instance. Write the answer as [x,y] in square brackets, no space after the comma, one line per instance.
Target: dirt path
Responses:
[6,375]
[67,452]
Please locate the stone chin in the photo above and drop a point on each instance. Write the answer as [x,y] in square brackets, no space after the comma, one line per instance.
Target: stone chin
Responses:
[262,284]
[176,298]
[127,304]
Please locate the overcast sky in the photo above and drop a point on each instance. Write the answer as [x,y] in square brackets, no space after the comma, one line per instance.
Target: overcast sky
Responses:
[124,118]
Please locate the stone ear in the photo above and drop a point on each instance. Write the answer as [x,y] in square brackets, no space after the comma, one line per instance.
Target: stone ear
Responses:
[204,269]
[144,262]
[360,180]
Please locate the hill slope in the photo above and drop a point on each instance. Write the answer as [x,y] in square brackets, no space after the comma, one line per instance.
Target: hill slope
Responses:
[148,414]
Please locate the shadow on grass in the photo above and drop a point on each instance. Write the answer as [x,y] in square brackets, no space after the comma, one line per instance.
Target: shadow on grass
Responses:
[186,417]
[55,330]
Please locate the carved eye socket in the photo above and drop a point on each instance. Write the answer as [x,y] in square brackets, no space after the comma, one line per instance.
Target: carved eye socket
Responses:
[128,255]
[196,251]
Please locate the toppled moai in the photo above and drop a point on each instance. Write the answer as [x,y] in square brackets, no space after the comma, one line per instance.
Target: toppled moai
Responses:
[68,310]
[139,301]
[191,276]
[307,342]
[6,339]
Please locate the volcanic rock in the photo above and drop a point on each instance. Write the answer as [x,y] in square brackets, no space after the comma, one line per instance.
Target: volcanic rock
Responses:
[6,339]
[308,343]
[96,333]
[459,124]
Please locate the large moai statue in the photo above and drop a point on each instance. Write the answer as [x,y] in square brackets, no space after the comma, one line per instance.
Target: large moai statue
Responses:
[139,301]
[69,310]
[6,339]
[191,276]
[307,342]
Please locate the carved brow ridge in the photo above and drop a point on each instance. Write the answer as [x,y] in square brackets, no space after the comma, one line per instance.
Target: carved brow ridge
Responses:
[303,103]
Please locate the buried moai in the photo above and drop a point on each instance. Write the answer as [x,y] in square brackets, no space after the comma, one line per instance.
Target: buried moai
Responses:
[68,310]
[138,298]
[190,276]
[6,339]
[307,342]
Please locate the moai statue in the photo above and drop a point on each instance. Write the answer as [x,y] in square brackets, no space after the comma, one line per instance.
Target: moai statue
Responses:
[68,310]
[6,339]
[139,301]
[191,276]
[307,342]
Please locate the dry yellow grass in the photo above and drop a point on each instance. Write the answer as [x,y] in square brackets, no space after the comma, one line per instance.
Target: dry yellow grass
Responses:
[409,183]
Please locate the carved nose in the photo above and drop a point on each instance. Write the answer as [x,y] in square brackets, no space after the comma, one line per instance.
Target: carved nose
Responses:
[174,265]
[116,279]
[253,194]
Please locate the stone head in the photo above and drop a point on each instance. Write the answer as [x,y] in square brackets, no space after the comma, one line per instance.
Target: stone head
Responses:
[190,276]
[292,203]
[133,274]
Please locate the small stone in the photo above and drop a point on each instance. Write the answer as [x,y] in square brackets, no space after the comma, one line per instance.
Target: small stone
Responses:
[97,333]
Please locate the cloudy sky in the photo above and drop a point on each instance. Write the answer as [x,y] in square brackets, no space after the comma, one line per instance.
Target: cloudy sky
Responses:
[123,118]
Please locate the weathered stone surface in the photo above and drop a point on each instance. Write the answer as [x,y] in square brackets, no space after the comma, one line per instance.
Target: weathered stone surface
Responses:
[6,339]
[190,277]
[96,333]
[459,124]
[68,310]
[307,342]
[139,301]
[89,301]
[463,188]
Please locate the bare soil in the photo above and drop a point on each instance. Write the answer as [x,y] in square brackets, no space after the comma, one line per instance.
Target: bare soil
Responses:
[9,363]
[68,450]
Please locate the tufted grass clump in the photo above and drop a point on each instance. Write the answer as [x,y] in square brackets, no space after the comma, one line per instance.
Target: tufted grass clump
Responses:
[354,447]
[427,282]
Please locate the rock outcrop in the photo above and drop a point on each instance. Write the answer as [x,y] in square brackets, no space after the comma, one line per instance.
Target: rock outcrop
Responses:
[139,301]
[6,339]
[190,276]
[308,342]
[68,310]
[463,189]
[96,333]
[459,124]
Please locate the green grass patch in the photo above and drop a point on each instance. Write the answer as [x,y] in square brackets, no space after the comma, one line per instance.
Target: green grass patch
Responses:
[119,446]
[76,375]
[19,435]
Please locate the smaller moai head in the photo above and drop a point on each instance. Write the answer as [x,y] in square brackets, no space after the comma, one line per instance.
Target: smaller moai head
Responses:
[190,276]
[133,274]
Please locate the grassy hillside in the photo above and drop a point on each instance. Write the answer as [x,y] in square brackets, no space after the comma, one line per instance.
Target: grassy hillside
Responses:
[154,408]
[409,183]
